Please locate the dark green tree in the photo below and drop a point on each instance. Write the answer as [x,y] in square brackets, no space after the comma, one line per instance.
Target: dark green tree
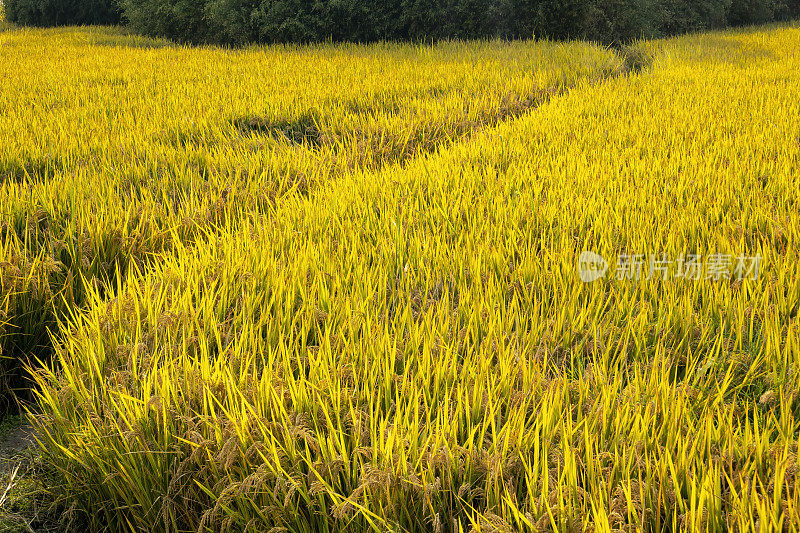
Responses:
[62,12]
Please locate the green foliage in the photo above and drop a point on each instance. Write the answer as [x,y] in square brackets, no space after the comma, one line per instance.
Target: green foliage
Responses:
[753,11]
[62,12]
[182,20]
[238,22]
[680,16]
[608,21]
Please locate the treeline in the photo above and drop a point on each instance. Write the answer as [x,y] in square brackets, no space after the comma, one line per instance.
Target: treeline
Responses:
[245,21]
[62,12]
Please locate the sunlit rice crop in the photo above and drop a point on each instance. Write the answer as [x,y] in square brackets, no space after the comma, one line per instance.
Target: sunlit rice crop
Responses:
[311,320]
[116,148]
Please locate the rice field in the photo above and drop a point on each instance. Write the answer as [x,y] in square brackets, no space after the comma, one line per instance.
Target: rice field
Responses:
[341,287]
[151,145]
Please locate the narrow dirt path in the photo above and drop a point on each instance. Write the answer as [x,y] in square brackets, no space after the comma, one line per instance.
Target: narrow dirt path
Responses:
[16,441]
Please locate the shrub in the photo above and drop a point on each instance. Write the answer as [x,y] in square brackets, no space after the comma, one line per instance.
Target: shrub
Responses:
[238,22]
[751,11]
[681,16]
[760,11]
[608,21]
[62,12]
[181,20]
